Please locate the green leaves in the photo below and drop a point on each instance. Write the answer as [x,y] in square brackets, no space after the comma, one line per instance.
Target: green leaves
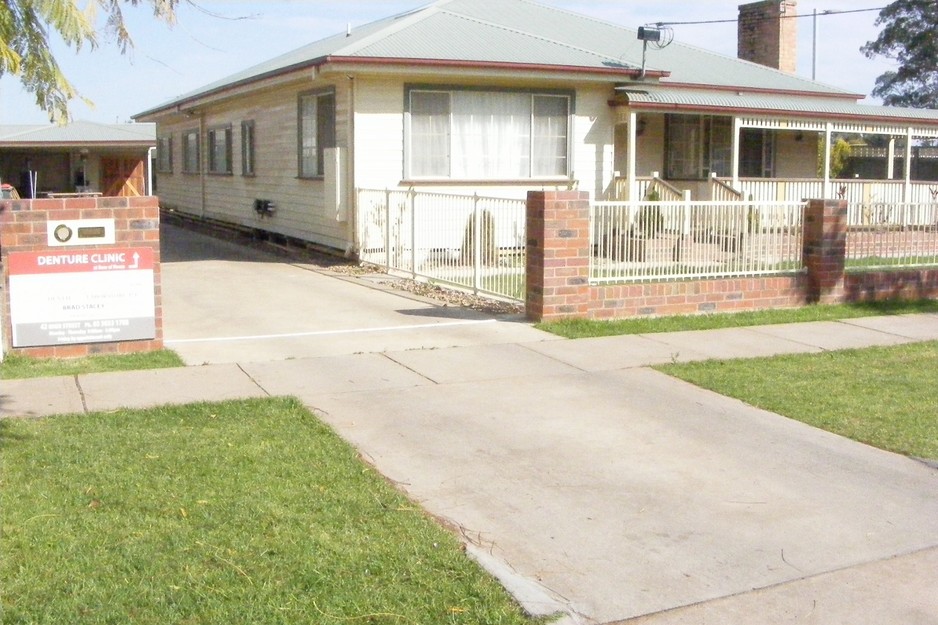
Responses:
[910,38]
[25,27]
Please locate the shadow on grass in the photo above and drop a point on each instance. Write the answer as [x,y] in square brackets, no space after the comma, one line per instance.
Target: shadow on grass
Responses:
[7,434]
[897,307]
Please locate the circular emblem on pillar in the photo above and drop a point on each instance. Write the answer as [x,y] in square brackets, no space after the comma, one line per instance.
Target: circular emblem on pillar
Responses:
[62,233]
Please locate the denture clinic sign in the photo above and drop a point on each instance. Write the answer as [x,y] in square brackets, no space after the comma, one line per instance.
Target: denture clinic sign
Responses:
[75,297]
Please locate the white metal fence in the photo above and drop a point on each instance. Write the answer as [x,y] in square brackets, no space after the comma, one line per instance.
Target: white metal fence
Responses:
[472,242]
[894,235]
[636,241]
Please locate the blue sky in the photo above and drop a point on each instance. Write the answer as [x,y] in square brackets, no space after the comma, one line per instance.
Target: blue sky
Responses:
[201,48]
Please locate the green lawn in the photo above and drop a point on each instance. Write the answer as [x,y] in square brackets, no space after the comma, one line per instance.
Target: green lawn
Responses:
[584,328]
[247,513]
[882,396]
[18,367]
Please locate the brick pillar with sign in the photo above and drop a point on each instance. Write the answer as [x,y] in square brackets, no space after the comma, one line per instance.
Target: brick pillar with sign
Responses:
[81,276]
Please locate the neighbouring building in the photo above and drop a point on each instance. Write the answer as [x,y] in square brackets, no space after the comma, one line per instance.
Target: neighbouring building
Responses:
[82,158]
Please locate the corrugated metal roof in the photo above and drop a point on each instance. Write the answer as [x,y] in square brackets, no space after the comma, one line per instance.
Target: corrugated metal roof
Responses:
[771,103]
[78,132]
[519,32]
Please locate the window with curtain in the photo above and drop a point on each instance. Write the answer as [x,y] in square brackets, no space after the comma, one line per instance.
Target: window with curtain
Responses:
[247,148]
[190,152]
[164,155]
[756,153]
[219,150]
[698,145]
[480,135]
[317,132]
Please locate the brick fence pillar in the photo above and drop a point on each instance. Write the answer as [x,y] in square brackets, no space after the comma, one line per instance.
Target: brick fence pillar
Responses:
[825,250]
[558,254]
[24,231]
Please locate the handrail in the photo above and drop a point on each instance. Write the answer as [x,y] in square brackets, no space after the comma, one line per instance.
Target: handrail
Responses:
[720,190]
[666,191]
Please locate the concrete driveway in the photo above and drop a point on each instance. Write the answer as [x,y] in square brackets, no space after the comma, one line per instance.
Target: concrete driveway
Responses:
[225,303]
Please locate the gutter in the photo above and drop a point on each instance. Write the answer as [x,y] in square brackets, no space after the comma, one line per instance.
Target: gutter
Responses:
[745,89]
[815,115]
[198,98]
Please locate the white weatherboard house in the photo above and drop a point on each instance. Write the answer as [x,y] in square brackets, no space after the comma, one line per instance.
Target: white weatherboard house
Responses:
[498,97]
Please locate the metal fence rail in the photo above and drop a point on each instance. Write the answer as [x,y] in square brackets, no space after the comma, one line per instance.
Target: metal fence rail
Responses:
[894,235]
[641,241]
[472,242]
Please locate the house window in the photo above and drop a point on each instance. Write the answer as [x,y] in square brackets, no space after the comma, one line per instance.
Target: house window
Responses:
[164,155]
[756,153]
[247,148]
[698,145]
[316,130]
[219,150]
[478,135]
[190,152]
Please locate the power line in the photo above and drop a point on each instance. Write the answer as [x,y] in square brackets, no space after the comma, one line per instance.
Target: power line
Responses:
[789,17]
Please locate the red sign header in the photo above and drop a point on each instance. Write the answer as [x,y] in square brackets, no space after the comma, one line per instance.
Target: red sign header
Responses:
[84,261]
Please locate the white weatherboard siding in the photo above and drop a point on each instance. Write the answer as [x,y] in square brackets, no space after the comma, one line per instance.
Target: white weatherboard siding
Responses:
[379,142]
[593,164]
[379,133]
[377,157]
[300,211]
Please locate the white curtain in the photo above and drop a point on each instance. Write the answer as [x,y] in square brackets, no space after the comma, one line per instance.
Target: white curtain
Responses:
[491,135]
[550,136]
[480,135]
[430,133]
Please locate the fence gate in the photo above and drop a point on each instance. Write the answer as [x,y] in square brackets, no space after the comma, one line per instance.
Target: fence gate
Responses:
[466,241]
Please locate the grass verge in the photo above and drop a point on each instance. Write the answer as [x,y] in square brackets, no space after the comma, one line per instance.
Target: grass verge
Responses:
[19,367]
[585,328]
[240,513]
[881,396]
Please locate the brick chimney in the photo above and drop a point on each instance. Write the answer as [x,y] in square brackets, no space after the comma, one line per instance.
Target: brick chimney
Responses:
[768,34]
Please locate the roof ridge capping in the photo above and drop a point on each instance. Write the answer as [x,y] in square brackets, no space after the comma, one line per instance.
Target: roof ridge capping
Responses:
[407,18]
[617,62]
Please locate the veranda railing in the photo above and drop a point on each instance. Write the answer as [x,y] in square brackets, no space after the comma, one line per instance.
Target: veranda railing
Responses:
[859,194]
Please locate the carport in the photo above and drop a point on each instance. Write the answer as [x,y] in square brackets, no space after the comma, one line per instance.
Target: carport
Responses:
[80,158]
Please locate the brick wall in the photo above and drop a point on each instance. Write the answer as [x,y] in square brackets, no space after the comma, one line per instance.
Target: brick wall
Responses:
[23,228]
[558,286]
[876,286]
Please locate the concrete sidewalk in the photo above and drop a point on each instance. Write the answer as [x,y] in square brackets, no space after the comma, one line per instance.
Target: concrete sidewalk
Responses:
[592,485]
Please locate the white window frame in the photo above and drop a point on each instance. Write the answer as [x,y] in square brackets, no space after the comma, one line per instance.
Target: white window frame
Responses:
[699,152]
[448,168]
[316,131]
[764,142]
[191,152]
[164,154]
[219,150]
[248,148]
